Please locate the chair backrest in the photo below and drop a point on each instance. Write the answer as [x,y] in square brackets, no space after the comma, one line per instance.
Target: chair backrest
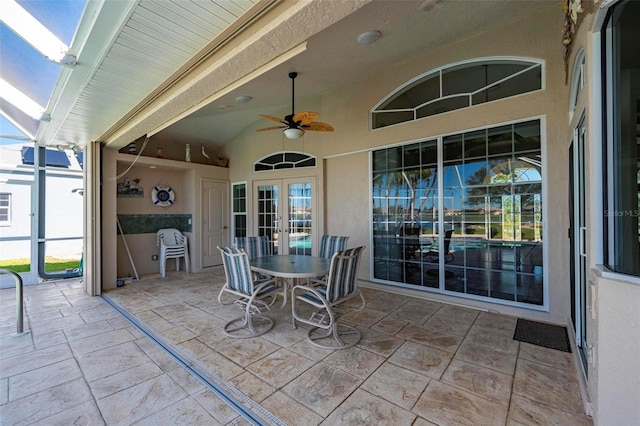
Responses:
[254,246]
[170,236]
[237,269]
[330,244]
[447,240]
[410,229]
[342,278]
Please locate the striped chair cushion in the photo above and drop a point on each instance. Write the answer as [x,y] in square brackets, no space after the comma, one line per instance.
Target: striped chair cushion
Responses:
[254,246]
[330,244]
[342,278]
[237,269]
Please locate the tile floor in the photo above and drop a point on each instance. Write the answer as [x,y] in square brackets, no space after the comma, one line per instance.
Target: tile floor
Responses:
[418,363]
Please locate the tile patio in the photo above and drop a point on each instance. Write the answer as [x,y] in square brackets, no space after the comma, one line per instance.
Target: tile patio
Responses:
[419,362]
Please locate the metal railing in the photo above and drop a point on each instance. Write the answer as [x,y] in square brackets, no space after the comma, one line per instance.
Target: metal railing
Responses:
[19,305]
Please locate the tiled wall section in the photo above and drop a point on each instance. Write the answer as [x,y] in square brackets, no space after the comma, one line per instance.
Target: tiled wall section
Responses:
[150,223]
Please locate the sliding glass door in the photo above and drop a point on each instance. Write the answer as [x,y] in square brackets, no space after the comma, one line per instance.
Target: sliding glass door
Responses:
[462,214]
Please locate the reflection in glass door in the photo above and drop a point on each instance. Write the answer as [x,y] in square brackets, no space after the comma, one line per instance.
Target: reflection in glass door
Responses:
[268,213]
[300,217]
[578,235]
[462,214]
[288,221]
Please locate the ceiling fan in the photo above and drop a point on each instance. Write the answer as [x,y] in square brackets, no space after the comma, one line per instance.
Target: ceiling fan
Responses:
[295,125]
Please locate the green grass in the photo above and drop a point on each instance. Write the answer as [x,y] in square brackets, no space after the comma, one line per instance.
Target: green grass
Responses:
[51,265]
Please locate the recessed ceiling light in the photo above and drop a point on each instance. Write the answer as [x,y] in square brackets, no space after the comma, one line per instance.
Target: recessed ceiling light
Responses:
[225,106]
[243,99]
[369,37]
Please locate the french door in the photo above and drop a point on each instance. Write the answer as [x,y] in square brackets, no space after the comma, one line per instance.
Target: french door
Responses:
[578,235]
[285,211]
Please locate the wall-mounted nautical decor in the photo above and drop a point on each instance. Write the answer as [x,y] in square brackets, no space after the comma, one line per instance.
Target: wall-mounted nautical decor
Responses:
[163,195]
[130,188]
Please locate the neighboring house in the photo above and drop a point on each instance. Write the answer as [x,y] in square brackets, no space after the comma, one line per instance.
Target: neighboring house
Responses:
[18,207]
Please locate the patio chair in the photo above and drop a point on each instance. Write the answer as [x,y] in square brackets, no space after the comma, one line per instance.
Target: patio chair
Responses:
[173,245]
[434,254]
[330,244]
[253,297]
[410,240]
[255,247]
[325,302]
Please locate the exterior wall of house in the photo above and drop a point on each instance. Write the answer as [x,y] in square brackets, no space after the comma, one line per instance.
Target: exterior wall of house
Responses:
[614,364]
[344,182]
[613,300]
[184,178]
[346,164]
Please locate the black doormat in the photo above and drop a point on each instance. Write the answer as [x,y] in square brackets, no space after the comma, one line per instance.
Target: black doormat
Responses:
[541,334]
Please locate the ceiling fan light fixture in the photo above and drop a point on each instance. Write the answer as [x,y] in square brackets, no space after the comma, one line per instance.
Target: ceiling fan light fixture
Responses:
[369,37]
[293,133]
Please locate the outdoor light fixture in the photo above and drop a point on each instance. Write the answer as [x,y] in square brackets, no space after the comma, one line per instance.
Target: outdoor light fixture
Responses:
[293,133]
[369,37]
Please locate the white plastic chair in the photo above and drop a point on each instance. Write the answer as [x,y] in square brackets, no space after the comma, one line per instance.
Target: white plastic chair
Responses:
[173,245]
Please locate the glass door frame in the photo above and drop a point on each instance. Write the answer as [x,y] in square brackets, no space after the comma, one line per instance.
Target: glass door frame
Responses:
[283,224]
[578,235]
[530,262]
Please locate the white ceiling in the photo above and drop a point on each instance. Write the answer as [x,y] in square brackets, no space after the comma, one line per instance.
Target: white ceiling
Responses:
[332,59]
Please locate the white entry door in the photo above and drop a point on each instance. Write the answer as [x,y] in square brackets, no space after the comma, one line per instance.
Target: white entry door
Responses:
[215,220]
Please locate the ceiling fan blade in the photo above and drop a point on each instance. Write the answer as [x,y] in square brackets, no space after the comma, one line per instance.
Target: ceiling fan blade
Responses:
[318,127]
[272,118]
[305,117]
[271,128]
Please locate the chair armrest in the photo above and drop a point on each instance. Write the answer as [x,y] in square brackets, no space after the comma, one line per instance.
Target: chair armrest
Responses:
[317,281]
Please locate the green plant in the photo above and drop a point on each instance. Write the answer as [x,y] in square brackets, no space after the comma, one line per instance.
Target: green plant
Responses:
[51,265]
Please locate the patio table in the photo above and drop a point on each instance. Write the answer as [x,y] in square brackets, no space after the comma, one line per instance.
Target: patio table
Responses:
[291,267]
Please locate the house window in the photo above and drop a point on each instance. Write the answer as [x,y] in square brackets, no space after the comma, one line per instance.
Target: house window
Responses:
[458,86]
[462,214]
[239,209]
[577,82]
[621,138]
[285,160]
[5,208]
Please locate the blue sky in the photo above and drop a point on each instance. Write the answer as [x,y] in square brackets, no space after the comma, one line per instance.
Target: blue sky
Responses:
[24,67]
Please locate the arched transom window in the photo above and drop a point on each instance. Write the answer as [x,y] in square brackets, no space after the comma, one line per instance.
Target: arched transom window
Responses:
[457,86]
[284,160]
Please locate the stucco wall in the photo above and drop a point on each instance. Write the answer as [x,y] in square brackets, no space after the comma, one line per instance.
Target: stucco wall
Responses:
[347,210]
[615,373]
[347,109]
[613,300]
[184,178]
